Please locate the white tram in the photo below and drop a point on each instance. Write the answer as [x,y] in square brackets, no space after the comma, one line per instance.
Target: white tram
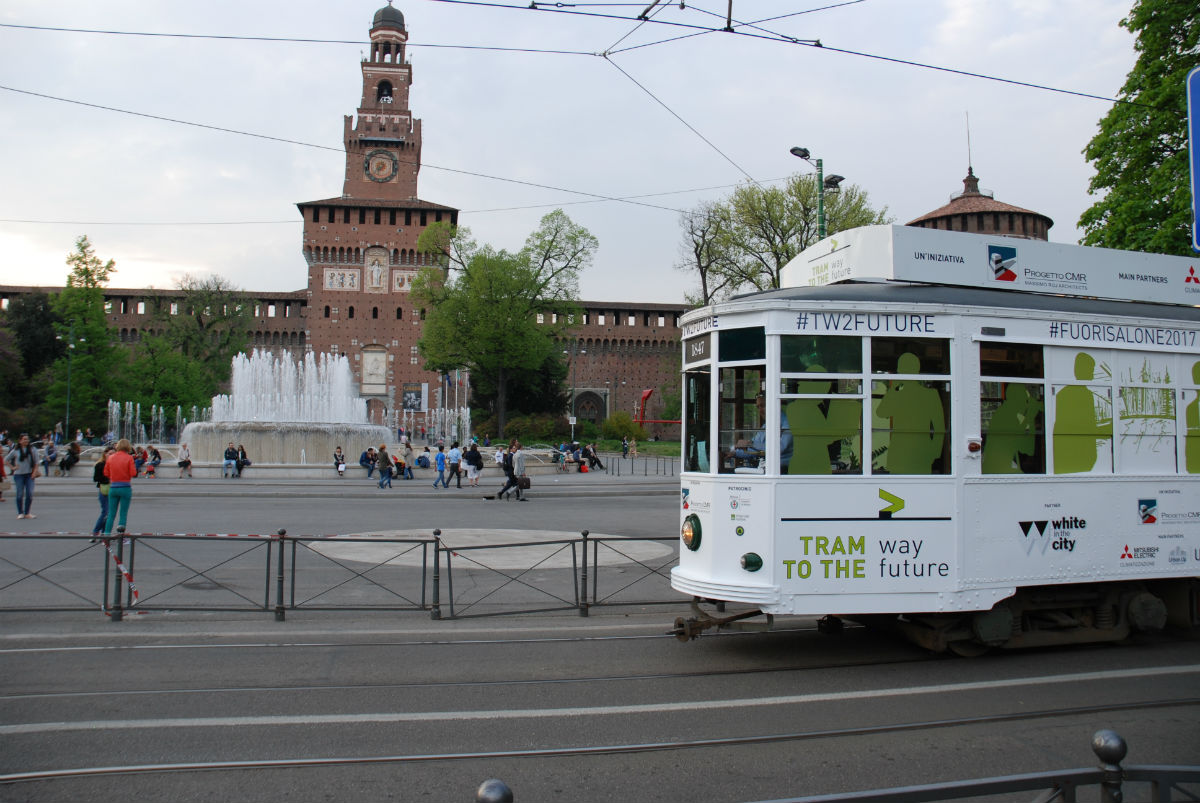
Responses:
[978,439]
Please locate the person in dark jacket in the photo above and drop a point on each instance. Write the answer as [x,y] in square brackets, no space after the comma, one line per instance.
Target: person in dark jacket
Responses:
[102,484]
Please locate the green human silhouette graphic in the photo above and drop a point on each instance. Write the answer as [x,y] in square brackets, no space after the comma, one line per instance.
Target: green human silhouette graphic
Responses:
[918,421]
[1076,426]
[1191,417]
[1010,433]
[814,429]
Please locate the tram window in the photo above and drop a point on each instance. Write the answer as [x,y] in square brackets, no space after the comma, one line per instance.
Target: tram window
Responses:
[933,354]
[741,421]
[910,417]
[826,431]
[737,345]
[1145,413]
[697,420]
[1018,360]
[1082,414]
[836,355]
[1013,423]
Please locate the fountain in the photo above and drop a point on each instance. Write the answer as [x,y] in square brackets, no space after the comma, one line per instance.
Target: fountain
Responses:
[286,412]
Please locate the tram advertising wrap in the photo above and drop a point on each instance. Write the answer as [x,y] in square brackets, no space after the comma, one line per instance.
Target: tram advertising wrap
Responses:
[955,435]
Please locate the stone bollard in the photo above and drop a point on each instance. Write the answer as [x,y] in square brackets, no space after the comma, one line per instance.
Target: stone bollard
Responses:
[1110,748]
[493,791]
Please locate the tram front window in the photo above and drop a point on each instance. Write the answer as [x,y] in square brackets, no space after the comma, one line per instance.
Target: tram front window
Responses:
[697,417]
[742,419]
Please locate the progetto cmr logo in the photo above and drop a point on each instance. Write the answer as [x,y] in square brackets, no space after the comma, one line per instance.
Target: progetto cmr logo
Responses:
[1002,260]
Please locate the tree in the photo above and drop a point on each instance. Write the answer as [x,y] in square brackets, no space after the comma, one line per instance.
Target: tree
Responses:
[89,371]
[743,243]
[1141,150]
[31,319]
[496,313]
[210,325]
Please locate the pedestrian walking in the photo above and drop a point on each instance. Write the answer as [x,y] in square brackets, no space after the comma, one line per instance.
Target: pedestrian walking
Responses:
[120,470]
[474,460]
[455,459]
[519,472]
[409,457]
[102,488]
[624,447]
[440,461]
[22,462]
[510,476]
[384,462]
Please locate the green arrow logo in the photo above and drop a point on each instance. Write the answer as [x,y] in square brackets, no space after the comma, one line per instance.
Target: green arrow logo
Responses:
[895,506]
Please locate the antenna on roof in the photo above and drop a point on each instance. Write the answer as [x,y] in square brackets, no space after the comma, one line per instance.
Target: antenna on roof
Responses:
[968,116]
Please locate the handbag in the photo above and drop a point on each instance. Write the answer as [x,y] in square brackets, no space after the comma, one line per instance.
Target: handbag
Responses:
[523,483]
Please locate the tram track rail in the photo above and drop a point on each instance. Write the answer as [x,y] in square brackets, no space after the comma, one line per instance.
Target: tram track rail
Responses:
[10,779]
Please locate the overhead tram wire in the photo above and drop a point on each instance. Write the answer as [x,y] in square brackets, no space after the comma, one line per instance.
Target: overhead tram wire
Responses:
[301,143]
[738,25]
[688,125]
[697,30]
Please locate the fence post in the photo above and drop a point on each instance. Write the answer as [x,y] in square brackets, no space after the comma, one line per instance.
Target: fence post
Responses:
[436,611]
[1110,748]
[493,791]
[583,603]
[116,611]
[279,609]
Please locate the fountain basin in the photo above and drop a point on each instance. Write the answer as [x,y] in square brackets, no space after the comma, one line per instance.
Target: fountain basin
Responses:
[283,443]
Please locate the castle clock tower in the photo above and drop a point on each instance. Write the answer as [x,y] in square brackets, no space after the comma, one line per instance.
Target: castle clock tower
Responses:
[383,147]
[361,247]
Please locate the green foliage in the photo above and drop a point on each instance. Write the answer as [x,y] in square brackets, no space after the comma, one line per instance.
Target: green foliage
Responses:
[742,243]
[32,321]
[212,325]
[1141,150]
[620,425]
[91,364]
[161,374]
[482,309]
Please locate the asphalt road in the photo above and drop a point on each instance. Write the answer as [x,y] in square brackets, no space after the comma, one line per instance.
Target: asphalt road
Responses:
[370,705]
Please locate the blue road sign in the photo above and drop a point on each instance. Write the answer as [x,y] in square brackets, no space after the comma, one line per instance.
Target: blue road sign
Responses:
[1193,101]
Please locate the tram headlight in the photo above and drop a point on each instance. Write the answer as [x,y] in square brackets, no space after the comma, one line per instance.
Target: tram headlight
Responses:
[752,562]
[690,532]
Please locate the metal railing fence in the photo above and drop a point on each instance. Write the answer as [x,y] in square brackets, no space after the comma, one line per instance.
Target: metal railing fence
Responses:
[281,572]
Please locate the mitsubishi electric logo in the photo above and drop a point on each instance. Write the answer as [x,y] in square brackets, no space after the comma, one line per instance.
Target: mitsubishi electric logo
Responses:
[1063,534]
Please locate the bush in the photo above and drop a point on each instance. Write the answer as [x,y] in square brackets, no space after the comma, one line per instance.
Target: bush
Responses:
[621,425]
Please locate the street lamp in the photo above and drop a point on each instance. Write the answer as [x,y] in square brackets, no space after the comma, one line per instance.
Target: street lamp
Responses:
[575,351]
[824,184]
[71,341]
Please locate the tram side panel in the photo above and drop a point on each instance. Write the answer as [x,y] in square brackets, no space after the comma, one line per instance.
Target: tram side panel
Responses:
[1056,531]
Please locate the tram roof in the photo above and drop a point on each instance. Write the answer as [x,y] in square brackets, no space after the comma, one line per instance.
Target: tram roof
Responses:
[916,293]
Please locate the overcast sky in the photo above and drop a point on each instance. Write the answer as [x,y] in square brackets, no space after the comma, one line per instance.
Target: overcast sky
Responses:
[151,194]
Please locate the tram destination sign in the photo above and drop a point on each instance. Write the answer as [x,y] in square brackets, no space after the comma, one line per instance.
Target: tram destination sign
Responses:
[911,254]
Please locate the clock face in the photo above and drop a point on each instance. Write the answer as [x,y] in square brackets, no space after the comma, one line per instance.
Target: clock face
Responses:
[380,165]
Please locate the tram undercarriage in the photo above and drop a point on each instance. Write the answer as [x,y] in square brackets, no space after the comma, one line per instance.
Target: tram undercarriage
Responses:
[1038,616]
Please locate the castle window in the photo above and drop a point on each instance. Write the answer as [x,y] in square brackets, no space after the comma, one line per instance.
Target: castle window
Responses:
[346,215]
[378,212]
[331,214]
[326,310]
[424,218]
[392,217]
[316,215]
[350,313]
[362,216]
[399,313]
[374,312]
[383,93]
